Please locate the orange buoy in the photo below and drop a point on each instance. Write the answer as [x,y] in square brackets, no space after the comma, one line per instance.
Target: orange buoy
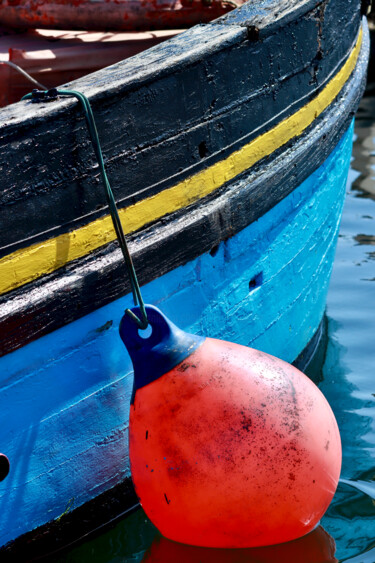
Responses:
[229,447]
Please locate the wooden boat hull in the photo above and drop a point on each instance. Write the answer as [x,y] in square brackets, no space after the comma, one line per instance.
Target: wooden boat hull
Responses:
[232,196]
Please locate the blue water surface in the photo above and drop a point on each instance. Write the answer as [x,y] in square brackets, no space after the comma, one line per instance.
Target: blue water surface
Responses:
[349,367]
[347,381]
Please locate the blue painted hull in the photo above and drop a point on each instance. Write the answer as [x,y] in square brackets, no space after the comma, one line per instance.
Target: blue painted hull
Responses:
[65,397]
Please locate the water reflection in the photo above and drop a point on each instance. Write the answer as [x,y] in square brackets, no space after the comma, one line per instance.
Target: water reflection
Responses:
[349,367]
[366,487]
[366,557]
[364,148]
[365,239]
[316,547]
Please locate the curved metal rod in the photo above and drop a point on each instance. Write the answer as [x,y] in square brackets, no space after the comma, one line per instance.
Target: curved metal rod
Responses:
[24,73]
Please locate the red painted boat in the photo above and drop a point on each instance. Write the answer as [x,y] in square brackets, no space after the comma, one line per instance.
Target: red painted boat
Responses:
[55,57]
[120,15]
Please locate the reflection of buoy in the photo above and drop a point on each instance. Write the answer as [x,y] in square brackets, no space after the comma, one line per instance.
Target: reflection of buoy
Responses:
[229,447]
[315,547]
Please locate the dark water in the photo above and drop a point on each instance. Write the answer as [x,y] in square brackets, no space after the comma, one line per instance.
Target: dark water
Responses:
[349,369]
[348,381]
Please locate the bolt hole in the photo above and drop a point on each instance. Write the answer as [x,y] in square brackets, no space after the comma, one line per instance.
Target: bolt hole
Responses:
[256,281]
[203,150]
[252,33]
[145,333]
[4,466]
[214,250]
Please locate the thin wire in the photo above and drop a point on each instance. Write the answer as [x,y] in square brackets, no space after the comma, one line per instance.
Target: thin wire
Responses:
[24,73]
[137,296]
[231,3]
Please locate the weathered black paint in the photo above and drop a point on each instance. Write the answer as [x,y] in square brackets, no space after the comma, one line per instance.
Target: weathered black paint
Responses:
[96,280]
[210,85]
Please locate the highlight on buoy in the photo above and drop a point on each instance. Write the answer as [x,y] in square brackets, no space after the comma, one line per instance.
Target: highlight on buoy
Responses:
[229,446]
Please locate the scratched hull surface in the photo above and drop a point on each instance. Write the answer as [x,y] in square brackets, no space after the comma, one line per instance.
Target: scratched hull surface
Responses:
[231,196]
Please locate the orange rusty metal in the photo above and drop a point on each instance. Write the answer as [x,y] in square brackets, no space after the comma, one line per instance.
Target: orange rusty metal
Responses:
[125,15]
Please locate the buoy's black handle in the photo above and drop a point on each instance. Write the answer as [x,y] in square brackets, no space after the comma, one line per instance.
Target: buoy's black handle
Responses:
[164,349]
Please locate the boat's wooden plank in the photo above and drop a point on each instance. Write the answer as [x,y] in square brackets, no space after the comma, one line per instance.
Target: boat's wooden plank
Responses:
[28,264]
[51,149]
[263,17]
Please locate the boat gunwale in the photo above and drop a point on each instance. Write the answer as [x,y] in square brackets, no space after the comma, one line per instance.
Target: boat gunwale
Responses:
[71,223]
[101,84]
[194,169]
[51,191]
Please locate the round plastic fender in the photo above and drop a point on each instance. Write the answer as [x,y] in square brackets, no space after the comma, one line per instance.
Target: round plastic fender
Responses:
[229,447]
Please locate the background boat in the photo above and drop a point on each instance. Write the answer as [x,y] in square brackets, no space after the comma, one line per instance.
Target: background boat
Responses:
[121,15]
[59,41]
[54,57]
[228,148]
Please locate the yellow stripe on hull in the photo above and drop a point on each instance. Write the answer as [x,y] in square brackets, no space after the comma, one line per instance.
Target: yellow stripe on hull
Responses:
[28,264]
